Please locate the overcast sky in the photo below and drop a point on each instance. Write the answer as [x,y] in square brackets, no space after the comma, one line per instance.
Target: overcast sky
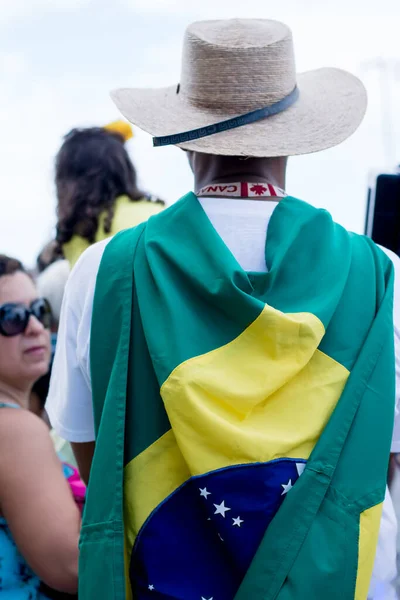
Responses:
[60,58]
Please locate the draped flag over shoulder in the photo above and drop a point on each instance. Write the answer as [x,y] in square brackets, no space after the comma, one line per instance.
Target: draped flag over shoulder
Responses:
[232,411]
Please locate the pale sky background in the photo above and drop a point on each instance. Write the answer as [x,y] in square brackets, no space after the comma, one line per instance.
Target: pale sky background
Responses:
[60,58]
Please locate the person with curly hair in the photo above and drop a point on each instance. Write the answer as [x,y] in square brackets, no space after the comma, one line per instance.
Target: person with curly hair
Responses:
[97,189]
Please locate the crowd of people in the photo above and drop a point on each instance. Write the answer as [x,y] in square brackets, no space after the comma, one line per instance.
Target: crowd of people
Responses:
[97,196]
[215,387]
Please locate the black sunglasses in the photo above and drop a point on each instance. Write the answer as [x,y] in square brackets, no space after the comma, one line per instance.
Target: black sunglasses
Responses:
[14,318]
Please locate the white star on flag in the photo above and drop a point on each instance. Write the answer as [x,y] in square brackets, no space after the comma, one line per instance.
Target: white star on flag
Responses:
[221,509]
[286,488]
[300,468]
[238,522]
[204,492]
[202,598]
[151,588]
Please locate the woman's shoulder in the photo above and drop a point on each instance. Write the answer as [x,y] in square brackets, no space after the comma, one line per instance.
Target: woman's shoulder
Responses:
[129,213]
[25,447]
[20,426]
[153,203]
[73,249]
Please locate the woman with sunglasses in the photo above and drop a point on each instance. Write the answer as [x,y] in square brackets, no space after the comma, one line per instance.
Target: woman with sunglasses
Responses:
[39,520]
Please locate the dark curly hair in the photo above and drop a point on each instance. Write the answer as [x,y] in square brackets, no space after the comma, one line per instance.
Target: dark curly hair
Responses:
[9,266]
[92,170]
[47,256]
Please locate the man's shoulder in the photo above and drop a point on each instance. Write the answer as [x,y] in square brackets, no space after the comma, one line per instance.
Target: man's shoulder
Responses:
[82,280]
[393,257]
[90,260]
[396,267]
[362,241]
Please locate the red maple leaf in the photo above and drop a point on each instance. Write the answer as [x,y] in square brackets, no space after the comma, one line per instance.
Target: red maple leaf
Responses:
[258,189]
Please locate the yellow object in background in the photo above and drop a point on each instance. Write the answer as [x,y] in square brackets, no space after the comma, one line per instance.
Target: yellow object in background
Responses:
[121,127]
[128,213]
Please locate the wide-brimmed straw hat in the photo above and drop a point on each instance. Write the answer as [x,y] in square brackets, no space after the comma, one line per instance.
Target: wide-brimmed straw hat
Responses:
[239,95]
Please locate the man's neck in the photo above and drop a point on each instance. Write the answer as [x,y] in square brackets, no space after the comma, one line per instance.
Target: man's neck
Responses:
[211,170]
[202,182]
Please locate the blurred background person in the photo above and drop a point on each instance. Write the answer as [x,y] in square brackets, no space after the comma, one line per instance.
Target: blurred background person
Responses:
[47,256]
[39,519]
[97,189]
[51,284]
[37,403]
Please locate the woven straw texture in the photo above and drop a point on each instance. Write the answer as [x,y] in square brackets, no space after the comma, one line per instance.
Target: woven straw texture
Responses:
[236,66]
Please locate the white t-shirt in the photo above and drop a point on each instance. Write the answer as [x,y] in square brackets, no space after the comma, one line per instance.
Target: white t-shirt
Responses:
[242,224]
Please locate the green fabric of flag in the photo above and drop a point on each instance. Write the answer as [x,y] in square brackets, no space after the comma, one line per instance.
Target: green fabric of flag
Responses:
[243,420]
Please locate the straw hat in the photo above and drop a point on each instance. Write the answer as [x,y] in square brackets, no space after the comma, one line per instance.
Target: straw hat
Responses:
[239,95]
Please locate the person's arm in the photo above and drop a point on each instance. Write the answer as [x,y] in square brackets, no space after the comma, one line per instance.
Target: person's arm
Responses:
[69,403]
[396,322]
[84,455]
[36,500]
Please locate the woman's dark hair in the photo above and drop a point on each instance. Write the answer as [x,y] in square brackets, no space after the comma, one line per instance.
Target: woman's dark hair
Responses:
[41,388]
[48,255]
[42,385]
[9,266]
[92,170]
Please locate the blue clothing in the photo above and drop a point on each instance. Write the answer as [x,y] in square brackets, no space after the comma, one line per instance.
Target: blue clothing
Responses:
[17,580]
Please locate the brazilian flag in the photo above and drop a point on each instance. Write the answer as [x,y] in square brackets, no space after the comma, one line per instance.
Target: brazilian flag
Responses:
[243,420]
